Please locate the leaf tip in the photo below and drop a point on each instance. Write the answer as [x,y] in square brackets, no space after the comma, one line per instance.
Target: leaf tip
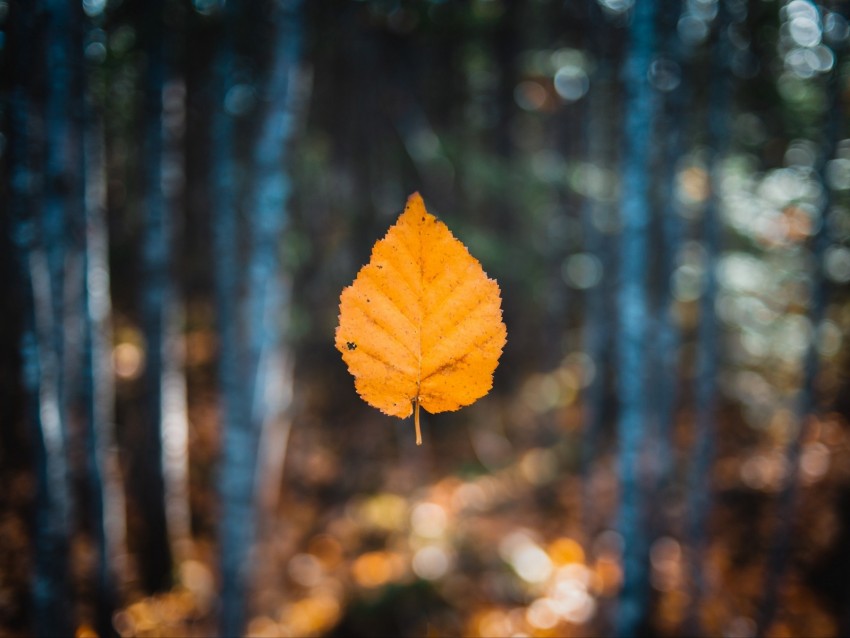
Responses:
[415,202]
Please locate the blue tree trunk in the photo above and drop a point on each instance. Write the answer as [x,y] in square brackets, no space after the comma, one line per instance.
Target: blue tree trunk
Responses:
[269,286]
[635,210]
[235,474]
[268,289]
[50,584]
[63,193]
[38,209]
[250,344]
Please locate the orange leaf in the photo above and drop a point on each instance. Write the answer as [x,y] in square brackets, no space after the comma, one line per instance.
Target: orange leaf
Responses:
[422,323]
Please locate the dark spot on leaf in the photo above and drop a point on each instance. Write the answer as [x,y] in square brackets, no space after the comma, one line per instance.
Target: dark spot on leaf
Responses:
[351,345]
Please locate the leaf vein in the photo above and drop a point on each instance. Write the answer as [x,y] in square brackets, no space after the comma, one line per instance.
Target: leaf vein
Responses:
[454,361]
[388,331]
[379,359]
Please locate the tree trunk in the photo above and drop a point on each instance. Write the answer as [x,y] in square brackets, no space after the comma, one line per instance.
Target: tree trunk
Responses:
[237,455]
[635,209]
[38,221]
[252,373]
[105,492]
[155,559]
[707,346]
[667,336]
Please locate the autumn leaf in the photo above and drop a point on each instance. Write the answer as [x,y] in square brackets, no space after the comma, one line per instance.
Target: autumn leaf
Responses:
[422,323]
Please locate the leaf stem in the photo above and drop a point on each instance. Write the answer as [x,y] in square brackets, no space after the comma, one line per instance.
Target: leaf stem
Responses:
[416,422]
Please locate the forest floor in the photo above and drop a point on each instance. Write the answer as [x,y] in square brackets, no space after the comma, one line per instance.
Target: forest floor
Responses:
[486,530]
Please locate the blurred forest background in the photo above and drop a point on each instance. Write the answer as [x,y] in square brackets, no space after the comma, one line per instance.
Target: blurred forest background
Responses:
[661,189]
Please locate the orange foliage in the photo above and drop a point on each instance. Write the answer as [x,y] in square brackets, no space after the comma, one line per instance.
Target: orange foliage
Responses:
[422,323]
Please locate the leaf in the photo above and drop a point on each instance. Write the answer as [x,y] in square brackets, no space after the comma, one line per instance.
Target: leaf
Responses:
[422,323]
